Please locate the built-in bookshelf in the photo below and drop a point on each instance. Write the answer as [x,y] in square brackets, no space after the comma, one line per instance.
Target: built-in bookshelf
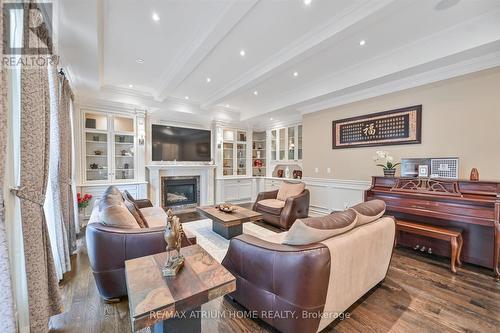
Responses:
[109,147]
[259,154]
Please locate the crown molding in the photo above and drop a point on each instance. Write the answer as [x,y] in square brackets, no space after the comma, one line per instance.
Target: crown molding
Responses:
[300,49]
[97,104]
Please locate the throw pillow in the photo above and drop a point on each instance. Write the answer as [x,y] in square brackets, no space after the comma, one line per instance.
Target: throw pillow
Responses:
[317,229]
[134,210]
[114,213]
[369,211]
[288,190]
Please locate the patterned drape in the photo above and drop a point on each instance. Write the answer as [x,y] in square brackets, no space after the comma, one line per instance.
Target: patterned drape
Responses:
[65,167]
[55,204]
[43,292]
[7,317]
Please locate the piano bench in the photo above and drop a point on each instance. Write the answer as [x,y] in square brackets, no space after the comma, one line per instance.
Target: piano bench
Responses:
[454,236]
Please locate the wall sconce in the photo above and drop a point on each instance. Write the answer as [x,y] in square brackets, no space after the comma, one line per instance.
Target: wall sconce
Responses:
[141,132]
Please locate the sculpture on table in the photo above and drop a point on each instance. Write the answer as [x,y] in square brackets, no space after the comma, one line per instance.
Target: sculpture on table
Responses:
[173,237]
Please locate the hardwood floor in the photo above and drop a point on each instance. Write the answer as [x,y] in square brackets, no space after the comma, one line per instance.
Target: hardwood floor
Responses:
[420,294]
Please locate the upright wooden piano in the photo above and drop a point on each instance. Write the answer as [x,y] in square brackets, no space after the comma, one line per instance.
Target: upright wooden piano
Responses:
[471,206]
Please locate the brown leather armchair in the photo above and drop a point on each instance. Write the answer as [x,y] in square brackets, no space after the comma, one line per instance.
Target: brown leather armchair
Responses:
[280,278]
[282,215]
[109,247]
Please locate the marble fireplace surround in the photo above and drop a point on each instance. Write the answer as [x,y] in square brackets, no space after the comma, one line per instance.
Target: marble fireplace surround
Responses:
[206,174]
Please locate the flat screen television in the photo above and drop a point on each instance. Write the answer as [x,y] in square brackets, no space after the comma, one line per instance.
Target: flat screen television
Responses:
[171,143]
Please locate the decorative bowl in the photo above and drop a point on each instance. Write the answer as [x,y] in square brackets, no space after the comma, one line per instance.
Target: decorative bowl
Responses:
[227,208]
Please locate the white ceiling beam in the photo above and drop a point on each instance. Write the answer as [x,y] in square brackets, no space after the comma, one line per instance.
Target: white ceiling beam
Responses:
[302,48]
[100,39]
[197,50]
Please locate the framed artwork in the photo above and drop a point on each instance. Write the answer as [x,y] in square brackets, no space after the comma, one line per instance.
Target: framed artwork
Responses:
[423,170]
[394,127]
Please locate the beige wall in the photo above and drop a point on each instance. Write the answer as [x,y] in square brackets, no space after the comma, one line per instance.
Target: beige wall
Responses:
[460,117]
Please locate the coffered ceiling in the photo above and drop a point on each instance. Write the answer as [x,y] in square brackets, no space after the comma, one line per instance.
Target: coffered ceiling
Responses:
[256,60]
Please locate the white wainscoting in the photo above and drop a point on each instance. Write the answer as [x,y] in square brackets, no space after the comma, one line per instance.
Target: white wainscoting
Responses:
[327,195]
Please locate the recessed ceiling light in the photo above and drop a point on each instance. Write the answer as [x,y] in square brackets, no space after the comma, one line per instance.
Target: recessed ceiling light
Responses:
[362,42]
[271,118]
[208,80]
[155,17]
[242,53]
[255,92]
[186,97]
[227,105]
[139,61]
[295,74]
[130,85]
[307,2]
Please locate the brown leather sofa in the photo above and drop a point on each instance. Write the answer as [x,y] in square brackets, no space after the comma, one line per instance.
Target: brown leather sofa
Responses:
[109,247]
[303,288]
[282,213]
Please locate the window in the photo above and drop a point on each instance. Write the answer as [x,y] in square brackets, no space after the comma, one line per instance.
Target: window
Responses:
[12,204]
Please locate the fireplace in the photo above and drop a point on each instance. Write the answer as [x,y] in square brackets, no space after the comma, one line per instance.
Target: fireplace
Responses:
[180,192]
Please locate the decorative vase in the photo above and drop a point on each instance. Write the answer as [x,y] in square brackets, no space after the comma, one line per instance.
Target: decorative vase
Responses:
[81,217]
[389,173]
[474,175]
[287,172]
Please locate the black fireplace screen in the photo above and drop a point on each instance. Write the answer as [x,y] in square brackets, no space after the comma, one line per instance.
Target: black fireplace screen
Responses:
[178,192]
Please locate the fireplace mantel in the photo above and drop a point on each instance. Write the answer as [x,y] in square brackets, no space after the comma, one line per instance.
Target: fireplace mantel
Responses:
[204,171]
[179,166]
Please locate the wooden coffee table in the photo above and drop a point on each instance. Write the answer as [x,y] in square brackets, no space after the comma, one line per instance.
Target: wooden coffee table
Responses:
[173,304]
[229,225]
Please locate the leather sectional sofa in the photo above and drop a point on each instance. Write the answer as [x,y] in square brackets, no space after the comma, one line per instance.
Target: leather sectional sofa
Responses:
[310,275]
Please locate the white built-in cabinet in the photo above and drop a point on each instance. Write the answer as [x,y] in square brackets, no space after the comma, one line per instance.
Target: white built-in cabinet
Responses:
[286,143]
[108,148]
[234,152]
[242,157]
[110,152]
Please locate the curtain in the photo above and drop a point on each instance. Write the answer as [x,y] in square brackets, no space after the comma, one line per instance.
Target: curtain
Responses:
[54,204]
[65,165]
[59,201]
[43,291]
[7,316]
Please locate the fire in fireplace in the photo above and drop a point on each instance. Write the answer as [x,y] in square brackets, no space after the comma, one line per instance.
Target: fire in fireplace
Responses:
[180,192]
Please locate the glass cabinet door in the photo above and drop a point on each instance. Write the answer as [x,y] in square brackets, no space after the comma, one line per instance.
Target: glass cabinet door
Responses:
[96,159]
[299,142]
[124,157]
[274,133]
[282,145]
[227,159]
[291,143]
[242,136]
[241,151]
